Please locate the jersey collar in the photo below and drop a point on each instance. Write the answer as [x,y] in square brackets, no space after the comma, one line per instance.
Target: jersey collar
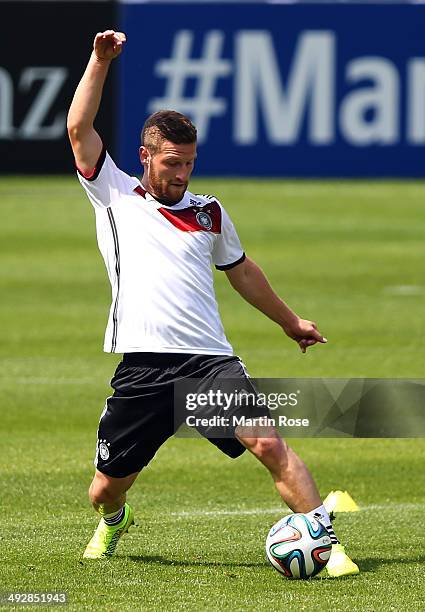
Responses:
[184,202]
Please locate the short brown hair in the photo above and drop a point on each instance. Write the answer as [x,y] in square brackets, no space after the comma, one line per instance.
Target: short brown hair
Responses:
[167,125]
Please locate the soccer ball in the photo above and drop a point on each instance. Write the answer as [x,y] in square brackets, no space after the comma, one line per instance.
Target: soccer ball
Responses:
[298,546]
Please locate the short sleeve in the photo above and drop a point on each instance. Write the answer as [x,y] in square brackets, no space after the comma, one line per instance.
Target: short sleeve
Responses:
[106,183]
[227,251]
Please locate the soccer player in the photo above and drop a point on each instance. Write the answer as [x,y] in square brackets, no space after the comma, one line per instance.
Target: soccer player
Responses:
[158,241]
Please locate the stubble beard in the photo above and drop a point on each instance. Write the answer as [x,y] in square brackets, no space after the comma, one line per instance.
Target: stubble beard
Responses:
[158,191]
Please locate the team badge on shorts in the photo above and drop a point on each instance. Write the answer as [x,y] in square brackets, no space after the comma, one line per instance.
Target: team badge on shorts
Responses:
[204,220]
[104,449]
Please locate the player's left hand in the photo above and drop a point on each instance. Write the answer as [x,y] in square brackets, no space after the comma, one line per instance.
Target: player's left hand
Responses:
[305,333]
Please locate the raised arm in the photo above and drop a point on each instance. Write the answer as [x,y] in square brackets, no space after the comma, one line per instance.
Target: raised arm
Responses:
[85,141]
[250,281]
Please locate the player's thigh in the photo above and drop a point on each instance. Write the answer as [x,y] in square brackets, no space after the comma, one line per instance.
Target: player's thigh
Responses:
[218,421]
[136,421]
[131,430]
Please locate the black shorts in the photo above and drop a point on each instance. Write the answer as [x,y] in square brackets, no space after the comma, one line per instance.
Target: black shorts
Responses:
[140,416]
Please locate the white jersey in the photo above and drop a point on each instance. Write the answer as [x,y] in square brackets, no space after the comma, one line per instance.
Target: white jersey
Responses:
[159,262]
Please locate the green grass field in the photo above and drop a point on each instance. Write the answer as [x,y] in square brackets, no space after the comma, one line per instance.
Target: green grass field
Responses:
[348,255]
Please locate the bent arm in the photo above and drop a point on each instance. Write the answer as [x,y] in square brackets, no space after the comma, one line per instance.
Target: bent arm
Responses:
[85,141]
[251,283]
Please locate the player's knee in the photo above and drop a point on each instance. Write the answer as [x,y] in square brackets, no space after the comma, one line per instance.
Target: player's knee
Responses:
[100,493]
[269,449]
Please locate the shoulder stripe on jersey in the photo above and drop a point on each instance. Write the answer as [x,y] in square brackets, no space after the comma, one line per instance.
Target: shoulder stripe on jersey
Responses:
[142,192]
[117,271]
[92,176]
[232,265]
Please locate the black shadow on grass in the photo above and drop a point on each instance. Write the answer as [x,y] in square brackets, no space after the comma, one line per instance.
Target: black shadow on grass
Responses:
[164,561]
[370,564]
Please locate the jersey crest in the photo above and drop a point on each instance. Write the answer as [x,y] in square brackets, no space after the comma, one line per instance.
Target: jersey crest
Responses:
[200,219]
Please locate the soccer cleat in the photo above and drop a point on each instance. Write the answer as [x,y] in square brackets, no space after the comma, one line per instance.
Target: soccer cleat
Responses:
[340,564]
[105,538]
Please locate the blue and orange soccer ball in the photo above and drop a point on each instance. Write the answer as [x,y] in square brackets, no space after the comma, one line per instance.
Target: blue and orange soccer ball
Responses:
[298,546]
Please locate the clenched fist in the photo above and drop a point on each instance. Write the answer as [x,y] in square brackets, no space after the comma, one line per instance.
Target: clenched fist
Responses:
[108,45]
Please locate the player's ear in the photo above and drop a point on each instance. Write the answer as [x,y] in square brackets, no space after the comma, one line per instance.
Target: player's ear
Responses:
[144,155]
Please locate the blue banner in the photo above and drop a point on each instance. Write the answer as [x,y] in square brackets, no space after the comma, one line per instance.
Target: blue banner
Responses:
[280,90]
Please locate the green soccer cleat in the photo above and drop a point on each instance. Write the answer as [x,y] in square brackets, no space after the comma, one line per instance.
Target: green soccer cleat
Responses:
[340,563]
[105,538]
